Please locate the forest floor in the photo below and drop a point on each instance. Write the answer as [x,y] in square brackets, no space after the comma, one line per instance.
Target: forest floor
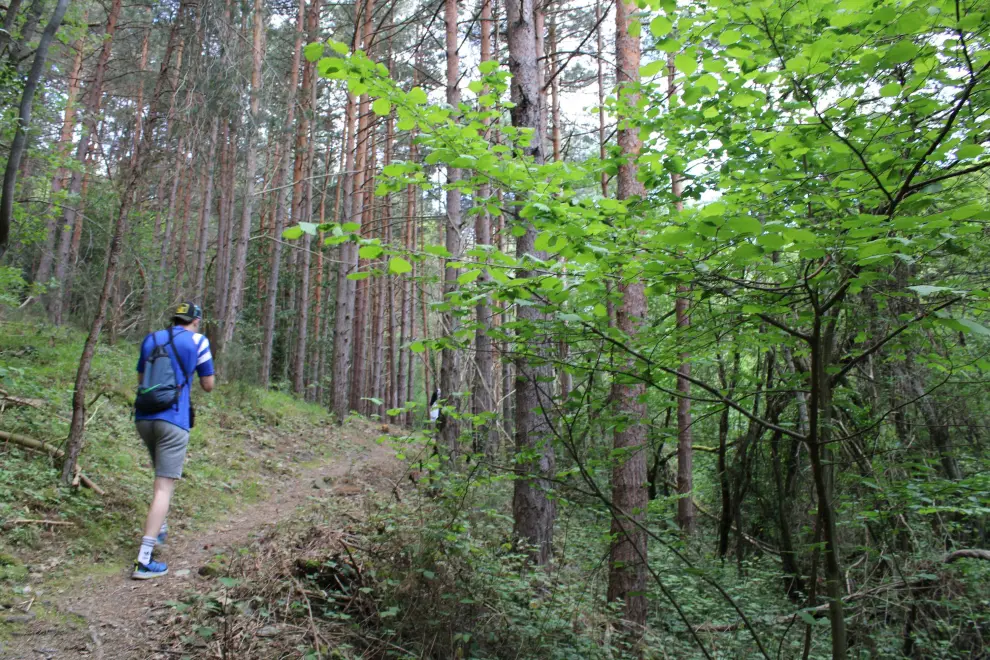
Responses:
[97,611]
[258,461]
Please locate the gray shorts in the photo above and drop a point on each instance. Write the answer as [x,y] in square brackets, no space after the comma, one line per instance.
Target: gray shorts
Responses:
[167,444]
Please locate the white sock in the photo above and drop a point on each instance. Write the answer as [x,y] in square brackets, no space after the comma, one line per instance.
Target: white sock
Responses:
[147,545]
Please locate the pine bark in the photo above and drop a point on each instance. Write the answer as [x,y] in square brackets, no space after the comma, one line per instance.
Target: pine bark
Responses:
[239,265]
[449,357]
[343,335]
[90,121]
[204,214]
[533,511]
[483,398]
[302,207]
[686,515]
[271,295]
[627,557]
[44,272]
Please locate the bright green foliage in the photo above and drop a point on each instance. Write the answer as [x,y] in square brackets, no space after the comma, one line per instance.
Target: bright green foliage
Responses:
[833,157]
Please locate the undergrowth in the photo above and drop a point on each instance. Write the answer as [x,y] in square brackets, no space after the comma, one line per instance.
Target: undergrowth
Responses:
[431,572]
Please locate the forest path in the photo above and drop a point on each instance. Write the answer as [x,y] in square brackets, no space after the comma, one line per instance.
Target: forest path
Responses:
[104,614]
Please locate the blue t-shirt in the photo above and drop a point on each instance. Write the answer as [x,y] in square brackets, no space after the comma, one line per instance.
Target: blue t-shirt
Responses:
[193,356]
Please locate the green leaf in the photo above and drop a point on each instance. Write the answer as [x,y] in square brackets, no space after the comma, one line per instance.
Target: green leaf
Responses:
[363,275]
[686,63]
[892,89]
[901,52]
[313,52]
[468,277]
[370,251]
[745,225]
[744,100]
[292,233]
[417,96]
[382,107]
[975,327]
[339,48]
[729,37]
[651,69]
[437,250]
[661,26]
[969,151]
[600,310]
[417,347]
[927,290]
[398,265]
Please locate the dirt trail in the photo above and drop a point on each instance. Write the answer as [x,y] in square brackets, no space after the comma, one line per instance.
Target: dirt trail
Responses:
[109,616]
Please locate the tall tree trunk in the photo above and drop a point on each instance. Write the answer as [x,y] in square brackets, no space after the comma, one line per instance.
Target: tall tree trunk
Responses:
[301,203]
[627,567]
[44,272]
[343,334]
[601,94]
[204,214]
[685,453]
[134,177]
[354,341]
[178,284]
[449,357]
[90,121]
[17,147]
[271,296]
[484,386]
[532,509]
[239,265]
[9,19]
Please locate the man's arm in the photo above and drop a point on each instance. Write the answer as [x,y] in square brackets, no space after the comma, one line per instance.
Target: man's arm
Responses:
[204,363]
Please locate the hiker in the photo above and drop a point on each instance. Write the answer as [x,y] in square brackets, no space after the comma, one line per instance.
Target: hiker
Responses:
[164,414]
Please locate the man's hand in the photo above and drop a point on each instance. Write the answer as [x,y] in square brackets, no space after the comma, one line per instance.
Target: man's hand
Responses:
[206,382]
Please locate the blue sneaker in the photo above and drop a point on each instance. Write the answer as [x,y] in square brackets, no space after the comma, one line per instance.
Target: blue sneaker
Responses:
[162,537]
[150,570]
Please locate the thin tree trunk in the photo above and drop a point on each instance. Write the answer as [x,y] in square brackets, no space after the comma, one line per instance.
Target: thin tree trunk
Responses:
[449,357]
[19,144]
[135,175]
[178,285]
[271,296]
[686,518]
[240,255]
[484,387]
[300,206]
[204,214]
[533,510]
[601,95]
[44,272]
[343,335]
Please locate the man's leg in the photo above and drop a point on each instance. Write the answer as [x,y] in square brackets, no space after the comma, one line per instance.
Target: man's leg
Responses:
[160,501]
[167,444]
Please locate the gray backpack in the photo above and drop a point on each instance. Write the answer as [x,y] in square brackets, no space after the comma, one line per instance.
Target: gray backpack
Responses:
[159,389]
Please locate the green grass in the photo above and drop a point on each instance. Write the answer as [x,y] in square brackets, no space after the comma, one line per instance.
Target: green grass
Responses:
[245,439]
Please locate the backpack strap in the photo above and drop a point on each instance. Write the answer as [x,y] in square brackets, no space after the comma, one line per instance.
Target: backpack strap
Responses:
[175,351]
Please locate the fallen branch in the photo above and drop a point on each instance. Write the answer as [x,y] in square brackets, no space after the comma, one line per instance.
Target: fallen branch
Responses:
[972,553]
[38,445]
[31,521]
[7,399]
[822,610]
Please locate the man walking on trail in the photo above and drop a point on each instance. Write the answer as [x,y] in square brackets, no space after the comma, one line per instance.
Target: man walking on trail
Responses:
[164,415]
